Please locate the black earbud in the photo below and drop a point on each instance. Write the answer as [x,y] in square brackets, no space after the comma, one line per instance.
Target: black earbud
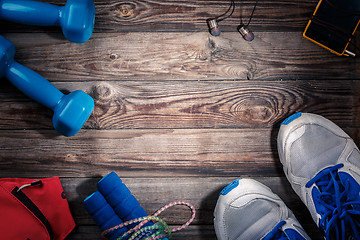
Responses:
[213,27]
[242,29]
[245,33]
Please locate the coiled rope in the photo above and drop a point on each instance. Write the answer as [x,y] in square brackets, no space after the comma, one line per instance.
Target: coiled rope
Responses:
[159,230]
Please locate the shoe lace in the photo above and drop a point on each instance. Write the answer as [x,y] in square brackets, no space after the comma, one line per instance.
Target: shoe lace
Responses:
[277,233]
[340,215]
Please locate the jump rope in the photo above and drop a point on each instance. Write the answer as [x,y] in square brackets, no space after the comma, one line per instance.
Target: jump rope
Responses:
[159,230]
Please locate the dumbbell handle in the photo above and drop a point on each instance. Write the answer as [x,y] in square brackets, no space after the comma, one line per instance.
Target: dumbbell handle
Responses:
[30,12]
[33,85]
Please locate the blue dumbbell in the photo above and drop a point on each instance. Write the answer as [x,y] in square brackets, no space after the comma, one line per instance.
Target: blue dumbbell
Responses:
[103,215]
[70,111]
[76,18]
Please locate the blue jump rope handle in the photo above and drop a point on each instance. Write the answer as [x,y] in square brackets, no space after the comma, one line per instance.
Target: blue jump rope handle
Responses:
[30,12]
[120,198]
[103,215]
[113,193]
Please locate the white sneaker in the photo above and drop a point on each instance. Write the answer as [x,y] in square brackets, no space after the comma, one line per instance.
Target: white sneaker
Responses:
[248,210]
[322,163]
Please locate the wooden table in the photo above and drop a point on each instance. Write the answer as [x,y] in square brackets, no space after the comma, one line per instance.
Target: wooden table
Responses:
[178,113]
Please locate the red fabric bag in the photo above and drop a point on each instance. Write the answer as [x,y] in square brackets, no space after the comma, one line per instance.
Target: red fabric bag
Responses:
[37,211]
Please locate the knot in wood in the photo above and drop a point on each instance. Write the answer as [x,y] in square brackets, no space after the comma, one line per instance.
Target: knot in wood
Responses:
[124,11]
[254,111]
[101,92]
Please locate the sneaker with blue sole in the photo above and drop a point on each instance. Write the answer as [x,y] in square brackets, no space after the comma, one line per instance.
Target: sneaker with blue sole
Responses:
[322,163]
[248,210]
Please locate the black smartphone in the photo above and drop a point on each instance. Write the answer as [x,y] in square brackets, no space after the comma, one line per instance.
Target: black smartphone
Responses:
[333,24]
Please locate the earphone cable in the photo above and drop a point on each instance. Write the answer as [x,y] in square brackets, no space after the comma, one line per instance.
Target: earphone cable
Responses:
[252,13]
[232,5]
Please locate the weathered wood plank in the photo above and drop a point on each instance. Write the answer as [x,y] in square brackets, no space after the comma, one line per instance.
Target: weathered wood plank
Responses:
[192,232]
[137,152]
[180,56]
[191,104]
[202,193]
[157,152]
[185,16]
[150,15]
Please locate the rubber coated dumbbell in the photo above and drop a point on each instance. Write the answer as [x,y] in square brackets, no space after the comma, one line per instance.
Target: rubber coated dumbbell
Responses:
[70,111]
[76,18]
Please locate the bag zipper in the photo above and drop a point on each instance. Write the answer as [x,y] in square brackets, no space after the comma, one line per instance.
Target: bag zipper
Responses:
[33,208]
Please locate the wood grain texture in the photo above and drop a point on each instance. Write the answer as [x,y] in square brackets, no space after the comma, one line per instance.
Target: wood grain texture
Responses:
[202,193]
[191,104]
[180,56]
[157,152]
[193,232]
[185,16]
[191,15]
[142,153]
